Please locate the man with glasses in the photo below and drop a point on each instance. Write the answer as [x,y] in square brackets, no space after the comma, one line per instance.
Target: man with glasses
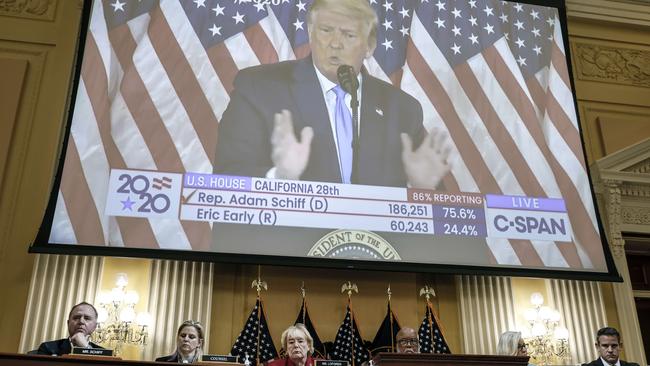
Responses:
[609,345]
[407,341]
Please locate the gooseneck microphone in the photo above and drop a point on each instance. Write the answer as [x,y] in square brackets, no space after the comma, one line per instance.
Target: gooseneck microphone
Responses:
[348,81]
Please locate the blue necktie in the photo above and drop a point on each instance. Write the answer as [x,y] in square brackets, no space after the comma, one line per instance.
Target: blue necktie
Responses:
[343,120]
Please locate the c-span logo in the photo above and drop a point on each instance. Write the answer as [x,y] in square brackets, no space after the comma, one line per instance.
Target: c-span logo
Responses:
[354,244]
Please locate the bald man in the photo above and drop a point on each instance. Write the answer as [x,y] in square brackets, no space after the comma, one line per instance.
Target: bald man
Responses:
[407,341]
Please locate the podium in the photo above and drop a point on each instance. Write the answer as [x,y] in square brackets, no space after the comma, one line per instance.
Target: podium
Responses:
[413,359]
[382,359]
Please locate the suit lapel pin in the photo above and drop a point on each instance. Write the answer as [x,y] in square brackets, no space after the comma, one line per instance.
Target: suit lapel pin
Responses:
[379,112]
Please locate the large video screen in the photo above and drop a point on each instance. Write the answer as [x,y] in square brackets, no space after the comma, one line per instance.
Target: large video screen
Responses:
[412,135]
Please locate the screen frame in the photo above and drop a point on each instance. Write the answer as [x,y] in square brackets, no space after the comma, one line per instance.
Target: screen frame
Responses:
[41,242]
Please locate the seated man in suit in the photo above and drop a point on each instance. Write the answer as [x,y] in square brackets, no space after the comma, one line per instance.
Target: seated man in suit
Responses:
[82,321]
[608,344]
[407,341]
[293,119]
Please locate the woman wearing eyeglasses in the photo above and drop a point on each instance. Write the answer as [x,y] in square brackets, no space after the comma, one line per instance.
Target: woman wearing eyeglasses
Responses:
[512,344]
[189,344]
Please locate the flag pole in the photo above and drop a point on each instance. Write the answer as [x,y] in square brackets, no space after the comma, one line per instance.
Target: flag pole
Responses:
[390,319]
[258,284]
[428,292]
[350,287]
[304,305]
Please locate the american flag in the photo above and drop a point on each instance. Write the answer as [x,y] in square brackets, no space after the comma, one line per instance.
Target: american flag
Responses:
[156,77]
[348,344]
[254,342]
[430,334]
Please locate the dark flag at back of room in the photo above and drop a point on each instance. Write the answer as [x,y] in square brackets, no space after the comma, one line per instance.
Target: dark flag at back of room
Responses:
[384,340]
[303,317]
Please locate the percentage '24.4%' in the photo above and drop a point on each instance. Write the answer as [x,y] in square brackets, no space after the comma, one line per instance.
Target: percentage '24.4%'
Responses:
[457,229]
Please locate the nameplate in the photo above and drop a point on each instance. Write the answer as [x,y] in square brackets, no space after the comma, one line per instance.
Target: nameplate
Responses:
[219,358]
[330,363]
[92,351]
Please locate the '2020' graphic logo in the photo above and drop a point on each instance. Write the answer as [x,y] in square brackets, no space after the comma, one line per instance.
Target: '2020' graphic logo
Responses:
[143,194]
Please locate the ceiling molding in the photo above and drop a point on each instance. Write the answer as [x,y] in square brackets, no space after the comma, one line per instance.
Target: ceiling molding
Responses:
[633,12]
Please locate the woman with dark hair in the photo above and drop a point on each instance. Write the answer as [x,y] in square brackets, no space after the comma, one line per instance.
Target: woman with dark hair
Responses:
[189,344]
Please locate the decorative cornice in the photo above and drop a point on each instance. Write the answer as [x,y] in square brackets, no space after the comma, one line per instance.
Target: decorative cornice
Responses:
[635,190]
[642,167]
[632,12]
[613,64]
[636,215]
[40,9]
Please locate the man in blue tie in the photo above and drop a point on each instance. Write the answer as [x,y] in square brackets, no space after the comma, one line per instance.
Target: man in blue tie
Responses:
[292,120]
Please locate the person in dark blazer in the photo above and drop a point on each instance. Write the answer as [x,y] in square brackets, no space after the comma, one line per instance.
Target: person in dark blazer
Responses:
[609,345]
[280,122]
[82,321]
[189,344]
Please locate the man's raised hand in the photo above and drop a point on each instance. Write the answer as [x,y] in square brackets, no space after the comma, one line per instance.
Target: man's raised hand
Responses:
[428,164]
[289,155]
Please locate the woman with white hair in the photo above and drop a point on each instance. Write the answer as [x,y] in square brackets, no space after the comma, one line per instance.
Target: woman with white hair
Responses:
[299,346]
[512,344]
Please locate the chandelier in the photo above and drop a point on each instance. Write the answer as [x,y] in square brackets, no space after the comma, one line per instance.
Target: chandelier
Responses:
[117,322]
[547,342]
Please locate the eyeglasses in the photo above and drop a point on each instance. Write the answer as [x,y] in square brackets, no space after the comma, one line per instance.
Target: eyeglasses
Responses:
[408,342]
[522,345]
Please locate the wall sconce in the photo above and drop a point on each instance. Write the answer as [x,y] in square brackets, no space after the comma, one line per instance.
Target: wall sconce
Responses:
[117,322]
[547,342]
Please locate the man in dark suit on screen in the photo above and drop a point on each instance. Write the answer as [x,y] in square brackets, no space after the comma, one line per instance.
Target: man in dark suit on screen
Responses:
[608,345]
[82,321]
[271,103]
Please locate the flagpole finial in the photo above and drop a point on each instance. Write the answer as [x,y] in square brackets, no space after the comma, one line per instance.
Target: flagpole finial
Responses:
[302,290]
[389,292]
[258,284]
[349,287]
[427,292]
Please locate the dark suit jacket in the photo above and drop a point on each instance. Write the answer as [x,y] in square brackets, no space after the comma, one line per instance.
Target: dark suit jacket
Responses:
[58,347]
[598,362]
[243,142]
[171,358]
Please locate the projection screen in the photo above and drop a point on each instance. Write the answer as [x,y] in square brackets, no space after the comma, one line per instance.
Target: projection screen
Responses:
[172,147]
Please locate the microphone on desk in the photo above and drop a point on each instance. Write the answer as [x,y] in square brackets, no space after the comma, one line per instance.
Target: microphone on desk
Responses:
[348,81]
